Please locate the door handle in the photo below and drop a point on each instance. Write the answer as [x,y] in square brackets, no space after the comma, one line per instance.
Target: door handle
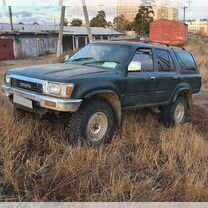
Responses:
[152,78]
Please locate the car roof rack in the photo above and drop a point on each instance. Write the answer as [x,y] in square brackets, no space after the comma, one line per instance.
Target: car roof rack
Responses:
[167,45]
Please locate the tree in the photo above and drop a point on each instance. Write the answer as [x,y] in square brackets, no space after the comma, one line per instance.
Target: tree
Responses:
[66,22]
[143,19]
[76,22]
[20,23]
[121,24]
[99,20]
[35,23]
[110,24]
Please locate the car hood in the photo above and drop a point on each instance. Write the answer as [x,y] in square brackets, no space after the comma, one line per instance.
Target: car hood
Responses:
[56,72]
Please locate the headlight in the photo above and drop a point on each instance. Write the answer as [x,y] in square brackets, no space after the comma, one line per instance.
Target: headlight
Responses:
[59,89]
[54,89]
[7,79]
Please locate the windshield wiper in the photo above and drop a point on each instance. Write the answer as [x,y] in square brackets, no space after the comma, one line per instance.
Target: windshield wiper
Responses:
[82,59]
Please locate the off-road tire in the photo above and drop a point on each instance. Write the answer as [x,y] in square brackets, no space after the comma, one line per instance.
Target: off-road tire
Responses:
[169,111]
[78,122]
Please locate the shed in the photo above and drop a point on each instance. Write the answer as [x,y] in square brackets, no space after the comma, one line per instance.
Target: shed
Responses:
[36,40]
[169,32]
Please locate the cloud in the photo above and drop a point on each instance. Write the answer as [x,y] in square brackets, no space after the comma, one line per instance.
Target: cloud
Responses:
[23,14]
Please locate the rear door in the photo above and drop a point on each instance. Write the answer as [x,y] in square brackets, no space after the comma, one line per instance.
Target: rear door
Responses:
[167,76]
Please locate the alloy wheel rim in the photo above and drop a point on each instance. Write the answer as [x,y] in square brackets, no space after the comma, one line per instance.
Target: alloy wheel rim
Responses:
[179,113]
[97,126]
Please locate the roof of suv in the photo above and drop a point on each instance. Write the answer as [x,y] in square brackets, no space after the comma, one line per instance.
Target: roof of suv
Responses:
[140,44]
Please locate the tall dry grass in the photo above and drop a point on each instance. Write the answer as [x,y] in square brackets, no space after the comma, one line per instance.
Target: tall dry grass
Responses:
[198,45]
[145,162]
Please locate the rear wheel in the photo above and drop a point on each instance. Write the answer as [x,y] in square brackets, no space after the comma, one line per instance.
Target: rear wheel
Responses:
[93,124]
[176,113]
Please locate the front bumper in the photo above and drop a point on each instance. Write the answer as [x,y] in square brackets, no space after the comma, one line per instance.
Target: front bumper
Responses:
[52,103]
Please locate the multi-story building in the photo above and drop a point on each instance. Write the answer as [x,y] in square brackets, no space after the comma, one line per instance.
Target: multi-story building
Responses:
[160,12]
[128,11]
[198,26]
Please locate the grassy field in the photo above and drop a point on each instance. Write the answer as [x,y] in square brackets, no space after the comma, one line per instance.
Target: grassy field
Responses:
[145,162]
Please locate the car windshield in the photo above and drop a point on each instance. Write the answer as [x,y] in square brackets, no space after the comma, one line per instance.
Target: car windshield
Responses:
[101,55]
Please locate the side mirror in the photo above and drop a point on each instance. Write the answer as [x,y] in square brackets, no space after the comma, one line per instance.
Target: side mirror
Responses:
[66,58]
[135,66]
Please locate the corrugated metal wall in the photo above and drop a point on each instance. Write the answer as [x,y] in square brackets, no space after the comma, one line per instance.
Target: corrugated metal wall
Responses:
[35,46]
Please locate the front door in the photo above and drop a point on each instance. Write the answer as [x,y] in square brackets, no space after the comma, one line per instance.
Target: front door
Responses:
[139,83]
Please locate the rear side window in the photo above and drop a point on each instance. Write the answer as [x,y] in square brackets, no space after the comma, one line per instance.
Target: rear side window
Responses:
[165,62]
[186,61]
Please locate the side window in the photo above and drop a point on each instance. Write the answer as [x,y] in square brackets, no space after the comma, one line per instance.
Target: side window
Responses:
[164,60]
[142,61]
[186,61]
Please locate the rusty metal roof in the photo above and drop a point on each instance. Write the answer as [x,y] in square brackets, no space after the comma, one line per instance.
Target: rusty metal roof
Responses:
[5,28]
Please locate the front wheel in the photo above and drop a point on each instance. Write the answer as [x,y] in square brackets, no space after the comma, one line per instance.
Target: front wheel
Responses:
[176,113]
[93,124]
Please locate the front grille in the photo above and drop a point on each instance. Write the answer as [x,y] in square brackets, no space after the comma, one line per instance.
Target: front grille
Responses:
[31,86]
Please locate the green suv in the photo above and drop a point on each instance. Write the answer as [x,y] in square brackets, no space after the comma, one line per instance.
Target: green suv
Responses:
[93,87]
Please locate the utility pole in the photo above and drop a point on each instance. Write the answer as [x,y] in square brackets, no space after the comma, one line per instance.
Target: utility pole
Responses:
[89,31]
[10,17]
[61,30]
[60,3]
[189,2]
[184,13]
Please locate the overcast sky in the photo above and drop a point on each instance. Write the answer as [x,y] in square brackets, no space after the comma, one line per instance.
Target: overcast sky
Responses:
[48,12]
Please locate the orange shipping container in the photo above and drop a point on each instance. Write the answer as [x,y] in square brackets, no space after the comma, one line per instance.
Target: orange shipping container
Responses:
[169,32]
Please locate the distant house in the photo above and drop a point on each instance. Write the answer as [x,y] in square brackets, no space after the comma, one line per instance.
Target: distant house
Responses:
[37,40]
[198,26]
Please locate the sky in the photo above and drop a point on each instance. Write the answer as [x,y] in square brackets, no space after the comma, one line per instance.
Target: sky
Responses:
[48,11]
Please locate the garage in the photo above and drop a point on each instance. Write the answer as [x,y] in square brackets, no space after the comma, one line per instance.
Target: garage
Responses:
[6,49]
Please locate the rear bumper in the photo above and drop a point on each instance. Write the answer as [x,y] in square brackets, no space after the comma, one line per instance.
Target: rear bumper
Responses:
[48,102]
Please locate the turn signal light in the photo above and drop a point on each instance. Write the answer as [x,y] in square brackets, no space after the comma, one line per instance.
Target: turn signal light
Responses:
[69,90]
[50,104]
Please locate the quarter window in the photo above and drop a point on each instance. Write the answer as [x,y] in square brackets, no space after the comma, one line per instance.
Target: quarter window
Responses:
[143,58]
[186,60]
[165,62]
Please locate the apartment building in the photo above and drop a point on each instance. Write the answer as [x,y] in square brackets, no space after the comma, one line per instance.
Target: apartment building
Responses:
[160,12]
[198,26]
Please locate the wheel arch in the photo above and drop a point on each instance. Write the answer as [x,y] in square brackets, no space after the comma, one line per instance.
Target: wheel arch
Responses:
[186,93]
[111,97]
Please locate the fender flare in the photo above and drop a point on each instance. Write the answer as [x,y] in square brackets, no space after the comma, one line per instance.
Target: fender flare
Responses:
[112,98]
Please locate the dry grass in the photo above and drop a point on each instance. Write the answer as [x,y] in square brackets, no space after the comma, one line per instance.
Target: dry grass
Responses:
[198,45]
[145,162]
